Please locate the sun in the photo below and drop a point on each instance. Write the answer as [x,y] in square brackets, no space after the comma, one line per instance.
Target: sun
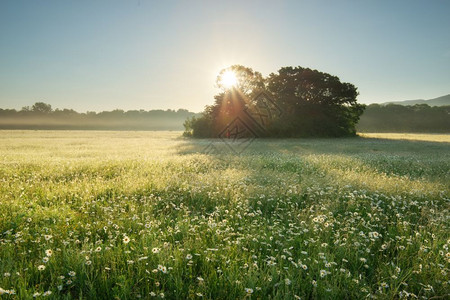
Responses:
[228,79]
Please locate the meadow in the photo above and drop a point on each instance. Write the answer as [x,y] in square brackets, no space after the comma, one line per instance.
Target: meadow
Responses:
[126,215]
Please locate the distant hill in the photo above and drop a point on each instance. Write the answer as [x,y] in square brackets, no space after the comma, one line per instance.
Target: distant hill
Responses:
[440,101]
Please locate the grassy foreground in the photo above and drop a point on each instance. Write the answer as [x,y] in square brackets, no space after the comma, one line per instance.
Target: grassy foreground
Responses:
[126,215]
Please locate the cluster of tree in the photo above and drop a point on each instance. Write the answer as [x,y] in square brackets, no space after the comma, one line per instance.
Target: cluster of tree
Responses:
[305,102]
[42,116]
[400,118]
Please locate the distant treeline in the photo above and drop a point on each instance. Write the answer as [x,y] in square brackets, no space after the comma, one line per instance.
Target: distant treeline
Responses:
[376,118]
[42,116]
[399,118]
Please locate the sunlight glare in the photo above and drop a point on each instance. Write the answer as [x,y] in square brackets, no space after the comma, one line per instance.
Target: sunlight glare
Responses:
[229,79]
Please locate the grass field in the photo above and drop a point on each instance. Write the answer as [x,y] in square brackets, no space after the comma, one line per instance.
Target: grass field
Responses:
[126,215]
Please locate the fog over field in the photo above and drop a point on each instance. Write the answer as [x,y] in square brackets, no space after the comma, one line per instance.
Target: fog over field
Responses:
[105,214]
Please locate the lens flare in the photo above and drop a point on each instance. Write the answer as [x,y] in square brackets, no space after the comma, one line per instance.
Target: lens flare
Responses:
[228,79]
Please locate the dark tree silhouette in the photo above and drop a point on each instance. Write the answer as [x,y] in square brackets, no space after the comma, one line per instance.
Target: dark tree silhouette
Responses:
[41,107]
[312,103]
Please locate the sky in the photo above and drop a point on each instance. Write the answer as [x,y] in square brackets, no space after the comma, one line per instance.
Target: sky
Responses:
[105,54]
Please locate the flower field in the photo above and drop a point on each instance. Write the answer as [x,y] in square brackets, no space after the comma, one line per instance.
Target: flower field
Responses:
[129,215]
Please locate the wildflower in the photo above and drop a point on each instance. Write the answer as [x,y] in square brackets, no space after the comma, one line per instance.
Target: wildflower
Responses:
[72,273]
[48,252]
[199,294]
[88,262]
[41,267]
[98,249]
[249,290]
[271,263]
[323,273]
[37,294]
[162,268]
[189,256]
[45,259]
[126,240]
[384,285]
[287,281]
[314,283]
[155,250]
[304,267]
[48,237]
[47,293]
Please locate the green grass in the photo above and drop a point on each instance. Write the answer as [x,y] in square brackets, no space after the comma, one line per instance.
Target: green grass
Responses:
[147,214]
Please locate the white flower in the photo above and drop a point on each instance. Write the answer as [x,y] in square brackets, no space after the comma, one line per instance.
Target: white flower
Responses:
[126,240]
[162,268]
[41,267]
[48,252]
[72,273]
[249,290]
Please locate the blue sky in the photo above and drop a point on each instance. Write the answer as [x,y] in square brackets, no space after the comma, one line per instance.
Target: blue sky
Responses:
[101,55]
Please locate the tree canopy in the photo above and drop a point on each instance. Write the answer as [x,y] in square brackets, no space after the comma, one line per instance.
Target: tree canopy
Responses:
[310,103]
